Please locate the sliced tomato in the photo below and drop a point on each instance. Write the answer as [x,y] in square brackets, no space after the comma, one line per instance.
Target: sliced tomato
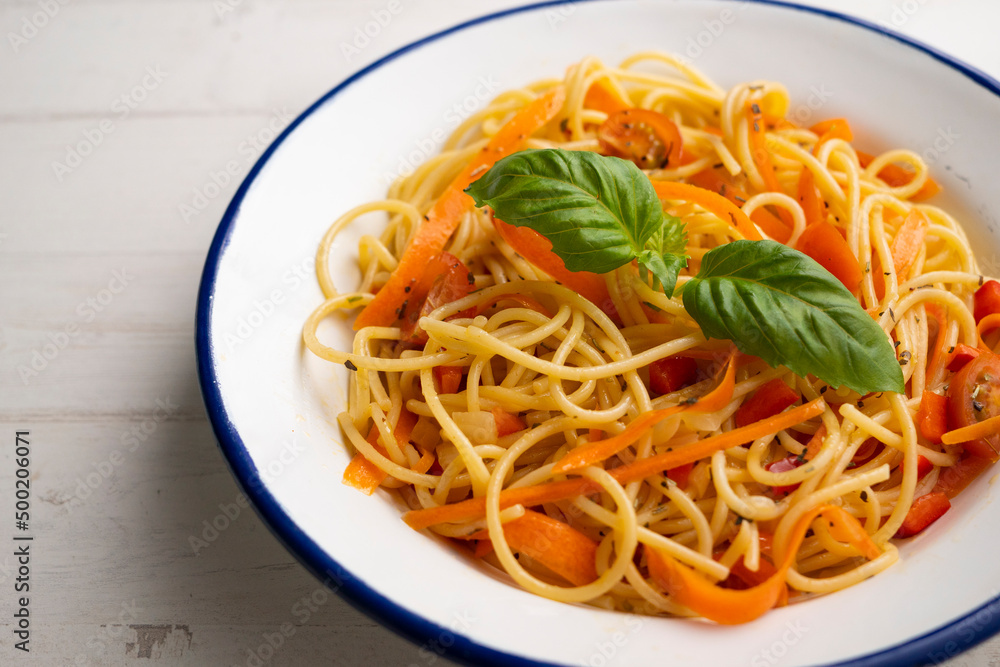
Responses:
[448,378]
[974,396]
[646,137]
[769,400]
[453,281]
[507,423]
[924,466]
[987,300]
[680,474]
[960,356]
[673,373]
[925,510]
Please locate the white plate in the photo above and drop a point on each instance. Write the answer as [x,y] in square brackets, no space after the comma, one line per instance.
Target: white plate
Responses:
[273,404]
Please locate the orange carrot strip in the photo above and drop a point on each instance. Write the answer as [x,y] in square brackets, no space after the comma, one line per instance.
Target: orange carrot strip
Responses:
[823,242]
[895,176]
[364,475]
[758,148]
[601,97]
[771,224]
[988,323]
[538,250]
[974,432]
[554,491]
[711,202]
[932,416]
[810,198]
[595,452]
[730,607]
[559,547]
[832,128]
[939,356]
[447,212]
[908,242]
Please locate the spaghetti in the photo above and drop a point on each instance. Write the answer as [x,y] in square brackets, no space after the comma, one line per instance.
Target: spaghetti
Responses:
[580,432]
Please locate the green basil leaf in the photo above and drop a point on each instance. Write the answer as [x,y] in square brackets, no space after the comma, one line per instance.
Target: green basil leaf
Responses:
[782,306]
[599,212]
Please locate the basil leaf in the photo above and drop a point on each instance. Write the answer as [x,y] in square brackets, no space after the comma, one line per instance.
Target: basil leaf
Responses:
[599,212]
[782,306]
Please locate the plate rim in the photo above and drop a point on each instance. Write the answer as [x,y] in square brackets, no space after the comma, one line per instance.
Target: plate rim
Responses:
[365,599]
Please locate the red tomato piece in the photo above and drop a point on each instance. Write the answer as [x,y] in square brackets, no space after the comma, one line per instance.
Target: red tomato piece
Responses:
[925,510]
[924,466]
[646,137]
[452,283]
[448,378]
[767,401]
[974,396]
[680,474]
[987,300]
[960,356]
[673,373]
[507,423]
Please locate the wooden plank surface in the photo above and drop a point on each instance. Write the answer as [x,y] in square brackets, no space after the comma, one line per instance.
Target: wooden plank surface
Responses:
[99,267]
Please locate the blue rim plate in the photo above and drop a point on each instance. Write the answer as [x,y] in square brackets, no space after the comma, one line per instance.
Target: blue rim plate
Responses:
[265,396]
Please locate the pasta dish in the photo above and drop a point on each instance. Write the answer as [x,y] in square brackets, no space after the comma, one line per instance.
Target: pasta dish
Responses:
[655,346]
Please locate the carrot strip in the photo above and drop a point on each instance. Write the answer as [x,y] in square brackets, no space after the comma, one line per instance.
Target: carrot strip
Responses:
[988,323]
[730,607]
[908,242]
[810,198]
[364,475]
[556,545]
[595,452]
[601,97]
[711,202]
[771,224]
[939,357]
[932,416]
[832,128]
[447,212]
[538,250]
[978,430]
[895,176]
[823,242]
[554,491]
[758,148]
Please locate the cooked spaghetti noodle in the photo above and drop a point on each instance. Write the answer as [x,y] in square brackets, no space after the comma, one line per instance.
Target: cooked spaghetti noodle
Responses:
[683,485]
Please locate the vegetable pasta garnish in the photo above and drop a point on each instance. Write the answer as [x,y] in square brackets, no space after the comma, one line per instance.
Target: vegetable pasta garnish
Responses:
[647,344]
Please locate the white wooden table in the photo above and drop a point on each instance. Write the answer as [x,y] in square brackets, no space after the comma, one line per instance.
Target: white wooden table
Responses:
[118,119]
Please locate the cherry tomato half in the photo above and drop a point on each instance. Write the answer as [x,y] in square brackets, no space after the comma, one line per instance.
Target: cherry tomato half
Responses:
[646,137]
[974,396]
